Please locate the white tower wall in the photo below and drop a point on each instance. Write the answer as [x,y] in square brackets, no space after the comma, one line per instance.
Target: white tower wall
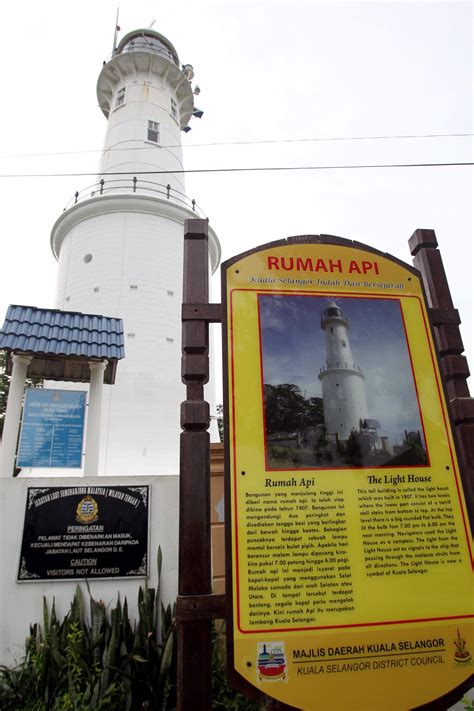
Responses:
[338,349]
[120,252]
[344,402]
[343,386]
[126,148]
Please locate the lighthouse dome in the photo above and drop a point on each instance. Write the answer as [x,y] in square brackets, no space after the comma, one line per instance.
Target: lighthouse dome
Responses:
[333,312]
[333,309]
[148,41]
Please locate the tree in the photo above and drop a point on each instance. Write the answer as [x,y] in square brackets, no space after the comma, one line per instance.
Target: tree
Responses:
[4,385]
[287,410]
[357,448]
[414,445]
[314,413]
[220,421]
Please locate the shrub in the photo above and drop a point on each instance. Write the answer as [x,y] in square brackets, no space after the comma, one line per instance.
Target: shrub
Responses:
[97,661]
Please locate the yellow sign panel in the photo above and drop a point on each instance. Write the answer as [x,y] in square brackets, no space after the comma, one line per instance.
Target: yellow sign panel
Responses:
[351,554]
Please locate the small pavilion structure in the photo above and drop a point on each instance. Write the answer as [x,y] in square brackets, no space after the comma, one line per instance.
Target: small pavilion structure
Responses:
[64,346]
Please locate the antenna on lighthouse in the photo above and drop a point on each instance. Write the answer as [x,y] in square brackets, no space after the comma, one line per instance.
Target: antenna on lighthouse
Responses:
[152,23]
[117,30]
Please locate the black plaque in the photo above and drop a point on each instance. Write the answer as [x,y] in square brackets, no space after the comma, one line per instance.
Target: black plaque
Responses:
[85,532]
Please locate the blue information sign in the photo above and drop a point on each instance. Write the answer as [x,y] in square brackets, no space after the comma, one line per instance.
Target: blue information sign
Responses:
[52,429]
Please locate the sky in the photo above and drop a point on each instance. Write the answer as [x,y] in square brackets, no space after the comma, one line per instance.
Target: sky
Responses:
[280,81]
[294,350]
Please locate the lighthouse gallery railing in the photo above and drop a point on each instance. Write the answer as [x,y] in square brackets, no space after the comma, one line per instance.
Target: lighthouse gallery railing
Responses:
[340,366]
[125,186]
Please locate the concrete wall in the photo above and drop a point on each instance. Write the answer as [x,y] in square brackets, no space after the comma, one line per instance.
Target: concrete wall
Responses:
[22,603]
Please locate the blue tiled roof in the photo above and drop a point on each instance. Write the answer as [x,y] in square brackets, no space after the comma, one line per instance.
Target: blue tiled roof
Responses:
[62,333]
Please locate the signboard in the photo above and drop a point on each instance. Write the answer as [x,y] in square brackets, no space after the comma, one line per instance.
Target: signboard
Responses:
[52,428]
[348,546]
[85,532]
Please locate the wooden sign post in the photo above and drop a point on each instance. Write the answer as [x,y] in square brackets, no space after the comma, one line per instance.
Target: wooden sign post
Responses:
[348,552]
[196,605]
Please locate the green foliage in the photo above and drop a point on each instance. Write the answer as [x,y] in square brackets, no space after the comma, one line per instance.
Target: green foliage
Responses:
[468,703]
[4,385]
[287,410]
[415,448]
[97,661]
[223,697]
[357,448]
[220,421]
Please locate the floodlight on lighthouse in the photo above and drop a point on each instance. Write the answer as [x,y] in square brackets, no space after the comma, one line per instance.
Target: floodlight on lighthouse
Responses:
[188,71]
[197,90]
[186,129]
[197,113]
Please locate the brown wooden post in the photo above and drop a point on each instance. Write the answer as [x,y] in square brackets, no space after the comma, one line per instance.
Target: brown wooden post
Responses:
[454,367]
[196,605]
[194,635]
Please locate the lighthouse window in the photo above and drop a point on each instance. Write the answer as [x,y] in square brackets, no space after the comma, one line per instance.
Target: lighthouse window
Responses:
[120,97]
[174,109]
[343,343]
[332,329]
[153,131]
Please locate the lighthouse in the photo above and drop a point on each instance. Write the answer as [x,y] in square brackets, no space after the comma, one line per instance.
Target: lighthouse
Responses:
[119,247]
[343,386]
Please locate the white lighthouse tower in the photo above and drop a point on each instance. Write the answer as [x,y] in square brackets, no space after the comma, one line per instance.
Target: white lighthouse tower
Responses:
[119,248]
[344,399]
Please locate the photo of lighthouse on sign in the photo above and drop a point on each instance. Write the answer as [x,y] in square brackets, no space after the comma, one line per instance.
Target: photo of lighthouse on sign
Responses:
[338,384]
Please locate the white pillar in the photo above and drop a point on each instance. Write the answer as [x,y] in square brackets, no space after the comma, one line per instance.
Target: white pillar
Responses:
[91,462]
[13,413]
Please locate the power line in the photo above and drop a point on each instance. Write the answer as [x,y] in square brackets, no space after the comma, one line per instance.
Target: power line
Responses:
[248,143]
[241,170]
[337,138]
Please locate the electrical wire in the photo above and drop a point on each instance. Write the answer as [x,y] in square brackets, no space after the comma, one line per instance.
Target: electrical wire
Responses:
[247,143]
[242,170]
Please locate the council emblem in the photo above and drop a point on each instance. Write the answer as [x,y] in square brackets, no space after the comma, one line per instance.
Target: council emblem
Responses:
[462,655]
[271,662]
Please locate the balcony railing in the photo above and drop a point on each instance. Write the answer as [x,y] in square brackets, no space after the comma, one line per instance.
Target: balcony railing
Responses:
[340,366]
[129,186]
[144,44]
